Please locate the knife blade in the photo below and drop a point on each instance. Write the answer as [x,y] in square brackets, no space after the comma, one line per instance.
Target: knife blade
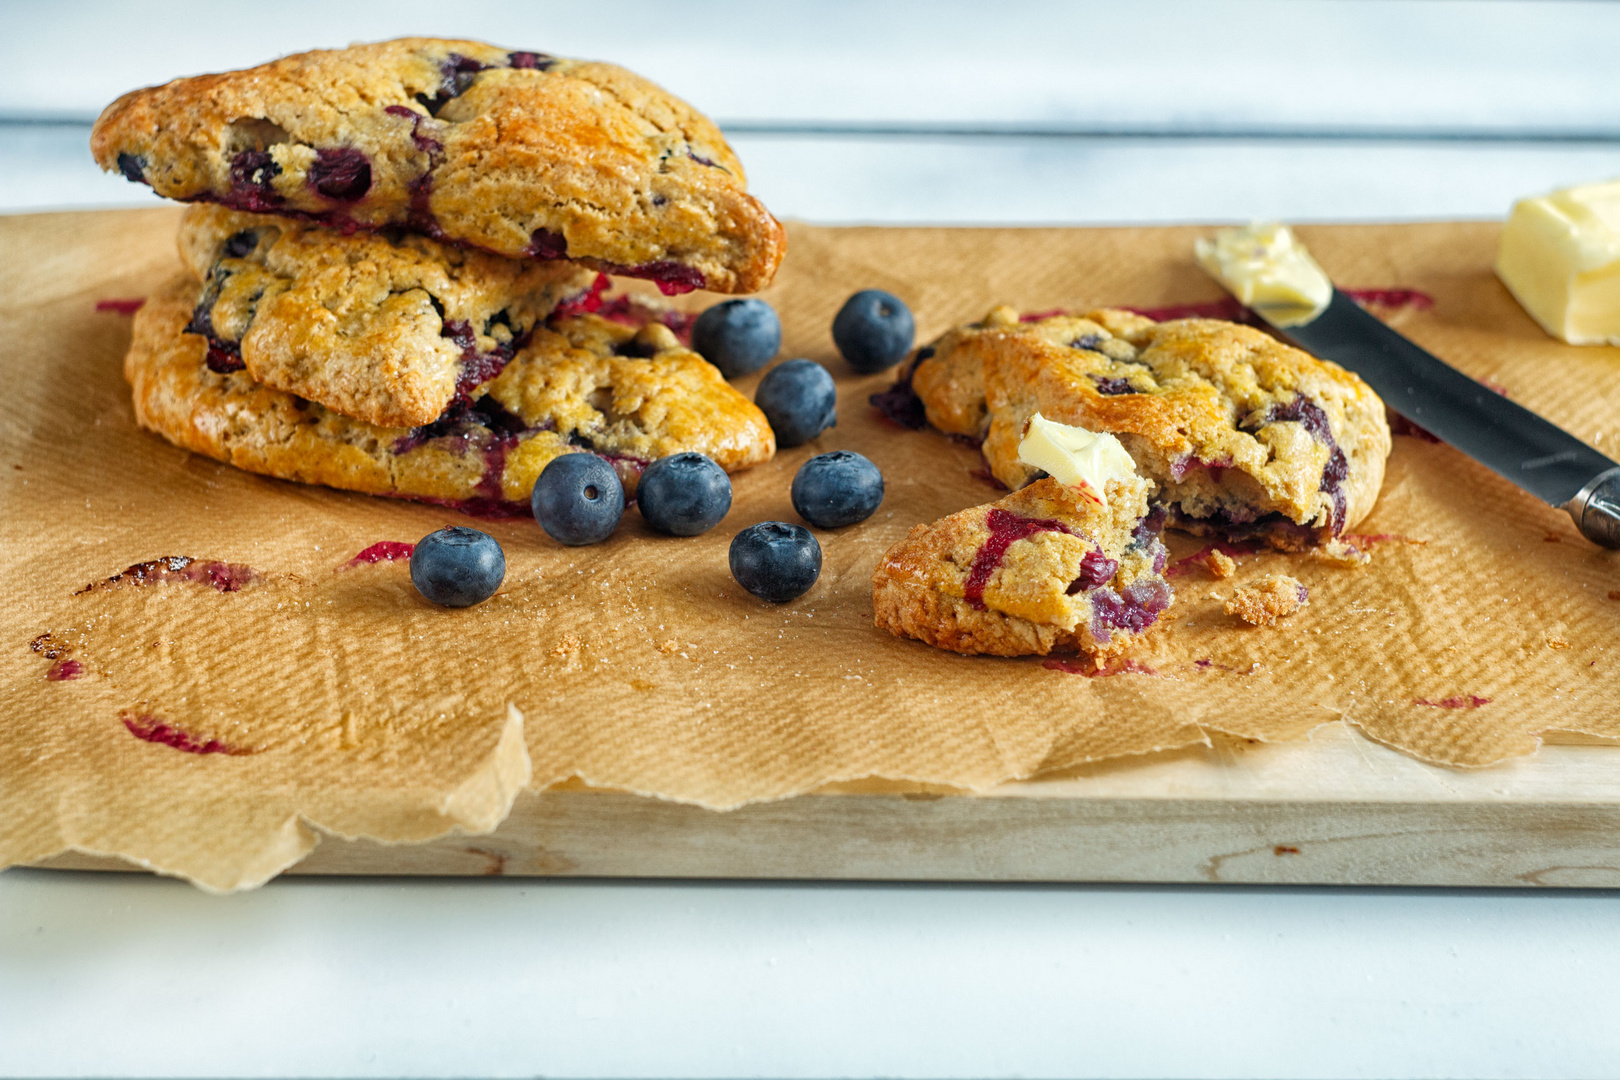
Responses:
[1504,436]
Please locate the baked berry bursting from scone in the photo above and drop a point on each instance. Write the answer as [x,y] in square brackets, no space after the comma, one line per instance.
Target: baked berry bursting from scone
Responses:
[1238,433]
[1046,569]
[520,154]
[581,383]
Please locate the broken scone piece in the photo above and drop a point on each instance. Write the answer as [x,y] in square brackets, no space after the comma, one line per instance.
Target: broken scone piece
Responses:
[1273,597]
[1053,567]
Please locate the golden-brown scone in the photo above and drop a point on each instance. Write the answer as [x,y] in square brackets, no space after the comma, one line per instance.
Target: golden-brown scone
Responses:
[519,153]
[1046,569]
[1239,433]
[569,390]
[382,329]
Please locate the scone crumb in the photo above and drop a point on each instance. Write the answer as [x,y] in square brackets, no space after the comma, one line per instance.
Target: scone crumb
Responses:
[669,646]
[567,647]
[1220,564]
[1557,641]
[1337,552]
[1273,597]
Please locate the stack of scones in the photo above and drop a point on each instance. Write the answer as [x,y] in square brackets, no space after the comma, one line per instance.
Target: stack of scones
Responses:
[397,261]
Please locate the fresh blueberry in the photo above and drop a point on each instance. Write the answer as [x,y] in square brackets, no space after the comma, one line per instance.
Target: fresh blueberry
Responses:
[683,494]
[458,567]
[578,499]
[873,330]
[837,489]
[738,336]
[775,561]
[800,401]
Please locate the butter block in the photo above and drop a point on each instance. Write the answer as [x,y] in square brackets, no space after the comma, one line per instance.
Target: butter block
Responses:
[1560,258]
[1074,456]
[1268,269]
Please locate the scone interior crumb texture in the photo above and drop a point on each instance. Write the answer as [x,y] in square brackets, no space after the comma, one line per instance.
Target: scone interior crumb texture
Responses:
[1045,569]
[580,383]
[1238,433]
[518,153]
[1262,603]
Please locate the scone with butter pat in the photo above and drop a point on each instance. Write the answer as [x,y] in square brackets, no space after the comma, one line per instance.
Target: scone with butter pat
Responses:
[519,153]
[1053,567]
[580,384]
[1236,432]
[389,330]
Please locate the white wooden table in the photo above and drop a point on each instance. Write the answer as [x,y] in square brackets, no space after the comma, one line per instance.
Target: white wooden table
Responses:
[844,112]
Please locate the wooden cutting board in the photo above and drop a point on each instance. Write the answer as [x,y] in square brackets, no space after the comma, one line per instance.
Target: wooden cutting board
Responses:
[1336,808]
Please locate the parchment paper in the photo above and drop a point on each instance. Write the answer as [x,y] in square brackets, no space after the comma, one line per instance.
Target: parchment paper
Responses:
[333,696]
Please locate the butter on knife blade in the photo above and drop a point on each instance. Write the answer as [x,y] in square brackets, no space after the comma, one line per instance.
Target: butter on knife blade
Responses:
[1267,270]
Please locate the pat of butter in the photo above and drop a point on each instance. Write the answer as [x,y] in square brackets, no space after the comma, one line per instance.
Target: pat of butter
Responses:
[1560,258]
[1075,456]
[1269,270]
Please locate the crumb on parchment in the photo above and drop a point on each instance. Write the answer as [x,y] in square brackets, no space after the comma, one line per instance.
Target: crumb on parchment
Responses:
[668,646]
[1338,552]
[567,647]
[1220,564]
[1273,597]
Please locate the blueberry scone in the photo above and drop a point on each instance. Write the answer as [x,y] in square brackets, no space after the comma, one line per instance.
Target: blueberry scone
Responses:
[1238,433]
[519,153]
[385,329]
[1049,568]
[581,383]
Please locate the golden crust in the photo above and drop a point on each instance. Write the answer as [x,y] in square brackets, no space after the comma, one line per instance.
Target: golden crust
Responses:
[1023,576]
[379,330]
[483,457]
[514,153]
[1233,427]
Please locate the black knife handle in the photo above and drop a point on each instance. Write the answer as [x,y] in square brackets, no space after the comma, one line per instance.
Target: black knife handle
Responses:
[1596,510]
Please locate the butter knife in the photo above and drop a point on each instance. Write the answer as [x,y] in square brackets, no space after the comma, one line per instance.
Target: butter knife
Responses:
[1505,437]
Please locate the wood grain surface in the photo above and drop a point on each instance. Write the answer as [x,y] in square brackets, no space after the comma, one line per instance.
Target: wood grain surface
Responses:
[1336,810]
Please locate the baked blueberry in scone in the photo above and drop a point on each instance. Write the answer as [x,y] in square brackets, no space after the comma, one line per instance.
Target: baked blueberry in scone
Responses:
[385,329]
[1238,433]
[519,153]
[1049,568]
[580,384]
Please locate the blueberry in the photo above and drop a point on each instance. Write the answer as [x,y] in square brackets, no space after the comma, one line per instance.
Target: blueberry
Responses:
[800,401]
[738,336]
[133,166]
[775,561]
[342,175]
[837,489]
[683,494]
[578,499]
[873,330]
[458,567]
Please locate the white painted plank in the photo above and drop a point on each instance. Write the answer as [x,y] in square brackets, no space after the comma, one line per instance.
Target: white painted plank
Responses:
[502,978]
[1186,64]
